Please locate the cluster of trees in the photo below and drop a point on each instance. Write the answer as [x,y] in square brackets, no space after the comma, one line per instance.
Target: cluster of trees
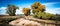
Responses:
[38,11]
[37,8]
[11,10]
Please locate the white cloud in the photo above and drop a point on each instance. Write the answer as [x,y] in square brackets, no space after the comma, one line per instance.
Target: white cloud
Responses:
[57,9]
[51,9]
[50,3]
[19,11]
[2,8]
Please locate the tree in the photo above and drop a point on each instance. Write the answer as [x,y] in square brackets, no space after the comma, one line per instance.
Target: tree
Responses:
[38,11]
[11,9]
[37,7]
[41,8]
[26,11]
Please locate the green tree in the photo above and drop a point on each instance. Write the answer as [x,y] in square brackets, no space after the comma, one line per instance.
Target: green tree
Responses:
[11,9]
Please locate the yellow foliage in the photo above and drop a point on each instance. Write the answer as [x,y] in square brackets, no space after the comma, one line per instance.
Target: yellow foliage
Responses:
[26,11]
[38,7]
[41,7]
[36,4]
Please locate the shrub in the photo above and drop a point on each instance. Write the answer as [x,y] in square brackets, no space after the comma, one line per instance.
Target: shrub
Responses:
[8,20]
[56,18]
[43,15]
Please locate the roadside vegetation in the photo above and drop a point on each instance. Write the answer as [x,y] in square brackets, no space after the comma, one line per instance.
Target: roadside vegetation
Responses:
[7,20]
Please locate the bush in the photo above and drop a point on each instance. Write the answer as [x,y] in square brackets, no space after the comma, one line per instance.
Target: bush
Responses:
[8,20]
[43,15]
[56,18]
[47,16]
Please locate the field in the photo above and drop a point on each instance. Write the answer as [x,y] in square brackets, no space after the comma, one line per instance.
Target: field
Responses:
[5,19]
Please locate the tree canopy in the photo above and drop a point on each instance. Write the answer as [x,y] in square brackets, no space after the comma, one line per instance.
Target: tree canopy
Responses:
[26,11]
[37,7]
[11,9]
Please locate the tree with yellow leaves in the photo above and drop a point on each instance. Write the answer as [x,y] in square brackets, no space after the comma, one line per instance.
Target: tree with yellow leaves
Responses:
[41,8]
[38,7]
[38,11]
[26,11]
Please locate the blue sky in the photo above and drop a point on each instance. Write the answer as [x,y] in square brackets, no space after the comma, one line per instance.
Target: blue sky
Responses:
[52,6]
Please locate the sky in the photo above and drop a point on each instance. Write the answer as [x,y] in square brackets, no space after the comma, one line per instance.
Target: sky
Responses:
[52,6]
